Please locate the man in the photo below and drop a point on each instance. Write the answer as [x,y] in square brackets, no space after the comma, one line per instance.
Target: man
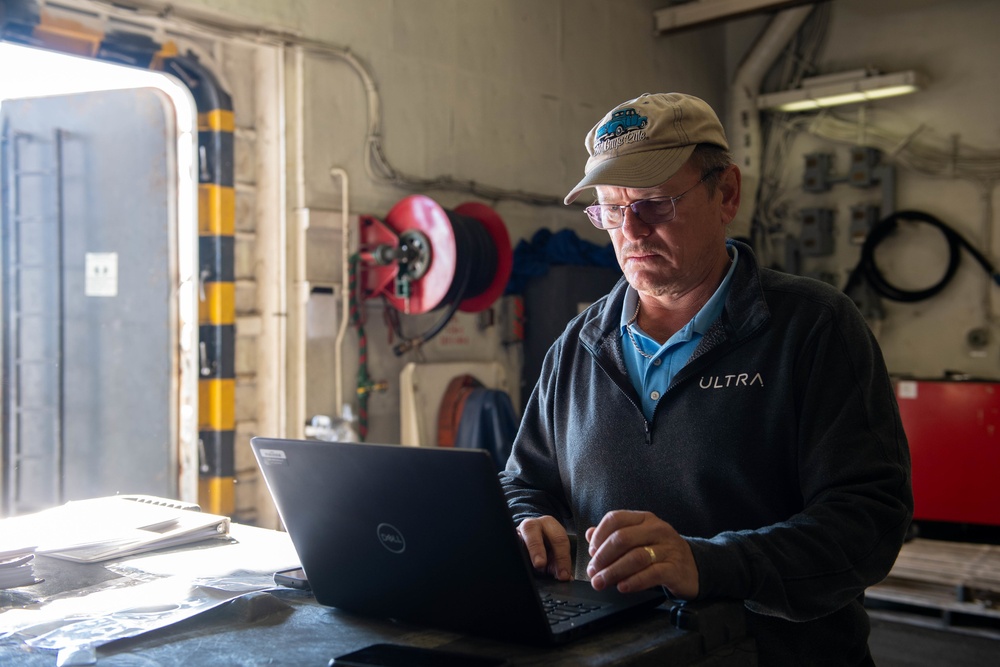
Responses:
[711,426]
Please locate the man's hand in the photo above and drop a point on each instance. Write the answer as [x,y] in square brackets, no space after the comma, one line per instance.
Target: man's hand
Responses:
[548,546]
[638,550]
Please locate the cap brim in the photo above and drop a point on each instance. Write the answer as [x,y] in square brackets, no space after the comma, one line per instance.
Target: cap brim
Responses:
[635,170]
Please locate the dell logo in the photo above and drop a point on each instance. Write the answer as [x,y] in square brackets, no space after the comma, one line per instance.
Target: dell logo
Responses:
[391,538]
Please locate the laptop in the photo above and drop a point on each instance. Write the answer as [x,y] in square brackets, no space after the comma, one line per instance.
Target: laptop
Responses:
[423,535]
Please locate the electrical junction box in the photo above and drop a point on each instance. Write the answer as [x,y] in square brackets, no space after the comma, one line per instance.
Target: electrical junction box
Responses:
[816,239]
[817,172]
[864,161]
[953,428]
[863,218]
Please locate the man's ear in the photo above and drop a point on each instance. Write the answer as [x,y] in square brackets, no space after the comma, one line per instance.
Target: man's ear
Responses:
[729,186]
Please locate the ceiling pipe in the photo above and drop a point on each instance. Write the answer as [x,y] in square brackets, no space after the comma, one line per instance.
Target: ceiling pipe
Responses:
[745,138]
[696,13]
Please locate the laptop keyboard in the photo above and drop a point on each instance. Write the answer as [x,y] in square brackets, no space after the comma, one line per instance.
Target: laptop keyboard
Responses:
[561,610]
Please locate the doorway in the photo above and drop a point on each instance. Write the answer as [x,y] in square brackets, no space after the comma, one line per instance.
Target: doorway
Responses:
[99,294]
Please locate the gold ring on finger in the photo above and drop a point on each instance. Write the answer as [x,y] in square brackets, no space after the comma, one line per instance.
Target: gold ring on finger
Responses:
[652,554]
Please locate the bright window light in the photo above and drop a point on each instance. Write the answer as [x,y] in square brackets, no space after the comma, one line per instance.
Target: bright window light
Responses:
[30,72]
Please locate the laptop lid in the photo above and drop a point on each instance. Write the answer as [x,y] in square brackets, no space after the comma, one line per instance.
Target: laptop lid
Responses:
[417,534]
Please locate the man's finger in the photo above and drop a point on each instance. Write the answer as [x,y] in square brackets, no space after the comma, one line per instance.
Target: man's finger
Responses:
[561,562]
[611,523]
[548,546]
[534,539]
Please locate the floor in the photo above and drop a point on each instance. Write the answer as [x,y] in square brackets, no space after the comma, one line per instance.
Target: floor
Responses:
[922,642]
[908,636]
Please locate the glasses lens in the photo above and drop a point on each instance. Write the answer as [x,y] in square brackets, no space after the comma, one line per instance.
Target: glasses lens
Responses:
[604,216]
[649,211]
[652,211]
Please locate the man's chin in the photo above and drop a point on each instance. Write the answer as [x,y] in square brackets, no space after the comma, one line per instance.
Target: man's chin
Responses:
[646,283]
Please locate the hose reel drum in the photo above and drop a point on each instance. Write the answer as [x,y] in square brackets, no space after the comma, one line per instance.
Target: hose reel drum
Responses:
[423,257]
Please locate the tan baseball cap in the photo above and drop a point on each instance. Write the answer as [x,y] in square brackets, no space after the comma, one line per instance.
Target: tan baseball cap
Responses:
[643,142]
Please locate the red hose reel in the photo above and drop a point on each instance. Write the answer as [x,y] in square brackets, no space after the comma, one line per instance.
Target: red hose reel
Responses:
[423,257]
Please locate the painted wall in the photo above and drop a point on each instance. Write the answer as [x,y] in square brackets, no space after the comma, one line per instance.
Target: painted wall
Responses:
[501,92]
[496,91]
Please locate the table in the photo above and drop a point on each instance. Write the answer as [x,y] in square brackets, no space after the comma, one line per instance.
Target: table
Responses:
[288,627]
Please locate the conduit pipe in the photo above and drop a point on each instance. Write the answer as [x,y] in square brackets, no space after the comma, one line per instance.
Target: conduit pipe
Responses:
[280,345]
[296,319]
[745,138]
[345,293]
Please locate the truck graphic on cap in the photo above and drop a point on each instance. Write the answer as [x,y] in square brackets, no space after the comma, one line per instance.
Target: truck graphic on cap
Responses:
[622,122]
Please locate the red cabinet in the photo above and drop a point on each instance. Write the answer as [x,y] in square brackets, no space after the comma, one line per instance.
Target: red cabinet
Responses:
[953,428]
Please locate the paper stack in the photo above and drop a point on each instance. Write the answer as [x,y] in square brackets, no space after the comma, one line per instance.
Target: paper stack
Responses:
[99,529]
[17,567]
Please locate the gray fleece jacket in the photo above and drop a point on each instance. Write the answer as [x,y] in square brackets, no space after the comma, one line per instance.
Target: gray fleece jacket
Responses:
[777,452]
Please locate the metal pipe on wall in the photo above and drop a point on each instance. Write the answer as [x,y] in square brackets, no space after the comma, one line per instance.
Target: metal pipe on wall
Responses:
[744,118]
[345,296]
[300,287]
[270,274]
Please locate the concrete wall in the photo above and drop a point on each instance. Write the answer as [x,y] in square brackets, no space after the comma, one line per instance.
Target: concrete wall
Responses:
[497,92]
[501,92]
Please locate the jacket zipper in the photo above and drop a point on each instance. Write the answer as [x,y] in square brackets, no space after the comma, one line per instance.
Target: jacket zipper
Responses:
[624,390]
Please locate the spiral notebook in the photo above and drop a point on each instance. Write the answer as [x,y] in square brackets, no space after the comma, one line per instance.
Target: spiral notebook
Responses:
[111,527]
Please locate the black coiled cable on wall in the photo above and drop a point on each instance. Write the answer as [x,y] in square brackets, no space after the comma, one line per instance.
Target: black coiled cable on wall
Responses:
[867,269]
[475,266]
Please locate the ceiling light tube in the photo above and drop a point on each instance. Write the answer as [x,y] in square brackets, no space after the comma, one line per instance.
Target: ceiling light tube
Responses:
[839,89]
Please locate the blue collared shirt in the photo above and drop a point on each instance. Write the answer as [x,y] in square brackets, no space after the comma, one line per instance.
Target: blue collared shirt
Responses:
[651,377]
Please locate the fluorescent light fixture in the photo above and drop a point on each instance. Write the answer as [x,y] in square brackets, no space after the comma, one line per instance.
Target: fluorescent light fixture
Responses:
[845,88]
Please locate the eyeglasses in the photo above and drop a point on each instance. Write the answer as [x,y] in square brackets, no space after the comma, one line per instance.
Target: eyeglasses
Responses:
[650,211]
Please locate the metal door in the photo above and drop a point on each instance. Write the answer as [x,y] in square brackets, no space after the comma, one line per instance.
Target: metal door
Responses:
[89,391]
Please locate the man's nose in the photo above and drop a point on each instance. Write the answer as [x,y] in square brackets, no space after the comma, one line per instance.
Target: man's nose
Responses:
[632,226]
